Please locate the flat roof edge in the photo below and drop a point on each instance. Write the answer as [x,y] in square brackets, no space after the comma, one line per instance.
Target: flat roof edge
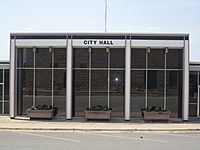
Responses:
[96,33]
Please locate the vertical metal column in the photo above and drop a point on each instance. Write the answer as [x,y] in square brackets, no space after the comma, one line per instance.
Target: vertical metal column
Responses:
[34,52]
[90,71]
[69,80]
[198,94]
[165,80]
[185,79]
[127,79]
[51,50]
[108,51]
[3,85]
[148,50]
[12,79]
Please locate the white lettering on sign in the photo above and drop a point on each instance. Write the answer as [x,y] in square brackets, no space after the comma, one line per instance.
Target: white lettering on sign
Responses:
[98,42]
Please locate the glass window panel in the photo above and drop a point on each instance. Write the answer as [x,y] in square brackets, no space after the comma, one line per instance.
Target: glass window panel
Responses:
[174,58]
[99,58]
[138,58]
[117,93]
[1,75]
[152,79]
[155,91]
[25,57]
[24,90]
[6,84]
[138,86]
[43,58]
[59,91]
[59,57]
[0,107]
[43,87]
[193,87]
[156,59]
[117,58]
[1,92]
[81,57]
[99,87]
[81,91]
[192,110]
[6,108]
[174,92]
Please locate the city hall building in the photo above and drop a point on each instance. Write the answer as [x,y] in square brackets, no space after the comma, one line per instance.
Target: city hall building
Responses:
[126,72]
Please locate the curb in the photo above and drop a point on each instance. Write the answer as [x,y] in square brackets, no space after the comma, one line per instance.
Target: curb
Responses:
[98,129]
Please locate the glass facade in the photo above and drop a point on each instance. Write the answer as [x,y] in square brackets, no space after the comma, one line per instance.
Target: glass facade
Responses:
[138,92]
[24,90]
[193,93]
[174,92]
[155,88]
[41,78]
[80,91]
[98,79]
[156,77]
[4,91]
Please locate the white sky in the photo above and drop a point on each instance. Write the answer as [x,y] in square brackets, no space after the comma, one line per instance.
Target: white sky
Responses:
[140,16]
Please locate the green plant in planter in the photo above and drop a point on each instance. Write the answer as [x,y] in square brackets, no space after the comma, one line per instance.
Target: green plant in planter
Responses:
[45,107]
[153,108]
[99,108]
[155,113]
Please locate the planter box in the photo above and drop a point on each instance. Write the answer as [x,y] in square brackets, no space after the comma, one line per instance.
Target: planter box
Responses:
[106,115]
[40,114]
[156,115]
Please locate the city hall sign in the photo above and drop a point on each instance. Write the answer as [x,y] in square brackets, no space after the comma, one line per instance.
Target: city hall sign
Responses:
[98,42]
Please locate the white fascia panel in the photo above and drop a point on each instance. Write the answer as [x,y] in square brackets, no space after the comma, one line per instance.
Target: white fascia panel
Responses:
[157,43]
[194,68]
[41,43]
[4,66]
[98,43]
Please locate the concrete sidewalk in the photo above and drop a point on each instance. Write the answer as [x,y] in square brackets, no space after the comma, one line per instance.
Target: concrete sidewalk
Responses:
[23,123]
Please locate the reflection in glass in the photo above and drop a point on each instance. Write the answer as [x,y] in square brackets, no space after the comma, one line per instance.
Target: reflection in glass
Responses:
[81,91]
[59,91]
[138,58]
[193,93]
[174,92]
[81,57]
[6,84]
[6,108]
[43,58]
[24,90]
[1,107]
[99,58]
[1,75]
[117,93]
[43,87]
[192,110]
[155,91]
[156,59]
[99,87]
[193,87]
[117,58]
[174,58]
[1,92]
[25,57]
[138,86]
[59,57]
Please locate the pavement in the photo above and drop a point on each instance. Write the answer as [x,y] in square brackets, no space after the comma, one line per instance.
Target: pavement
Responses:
[80,124]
